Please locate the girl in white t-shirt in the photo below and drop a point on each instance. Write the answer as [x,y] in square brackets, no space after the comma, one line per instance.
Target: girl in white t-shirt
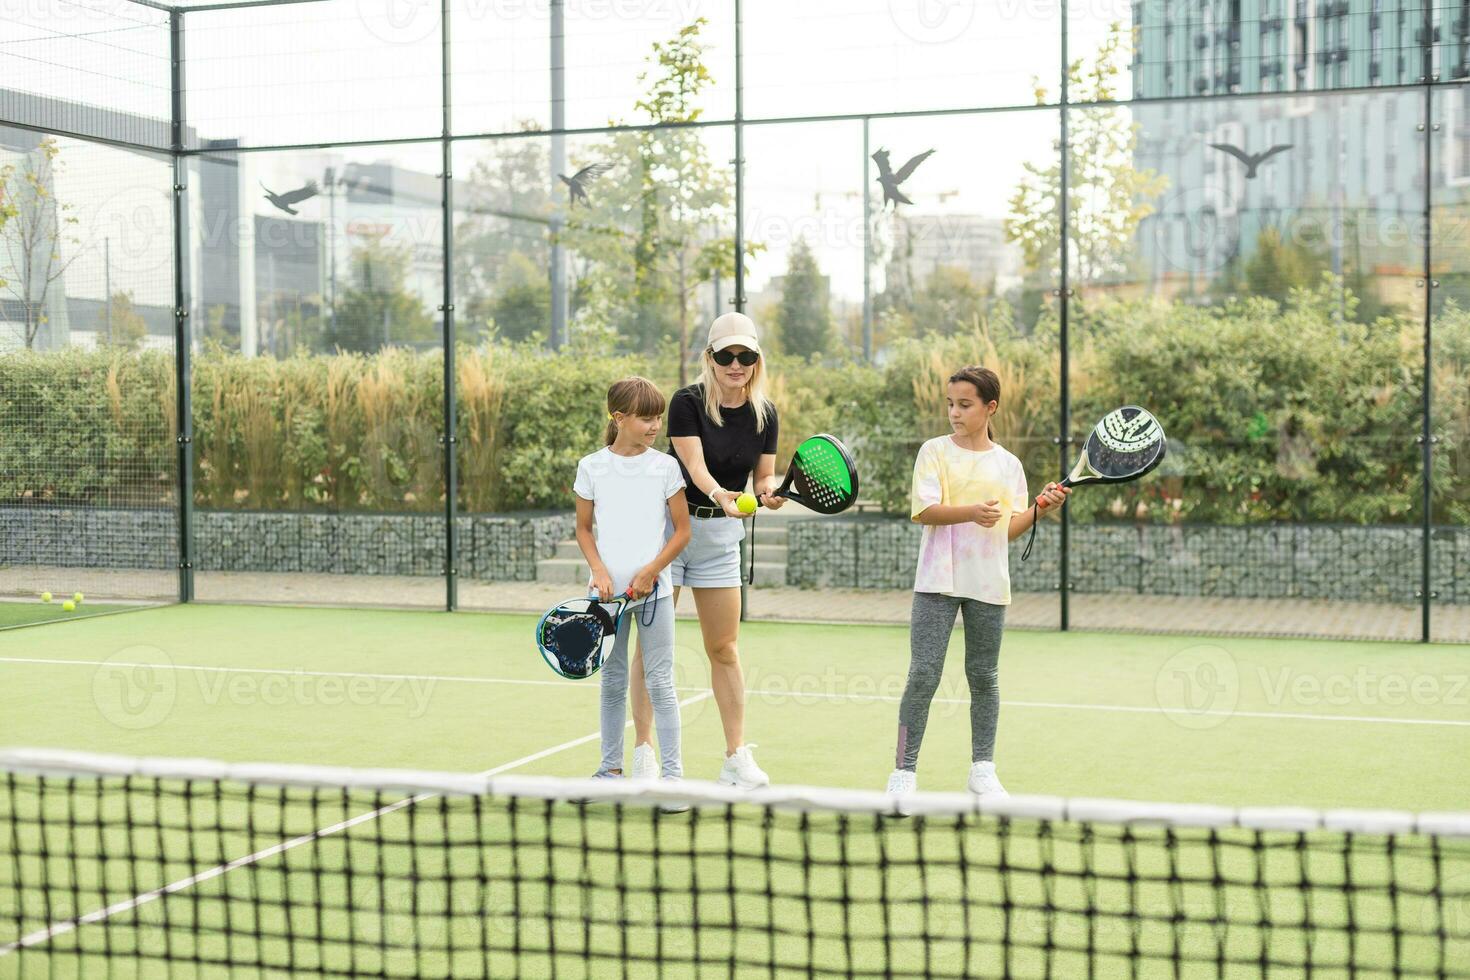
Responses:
[634,495]
[970,495]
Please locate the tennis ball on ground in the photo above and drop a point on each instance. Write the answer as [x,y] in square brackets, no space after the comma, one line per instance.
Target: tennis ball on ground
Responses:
[45,597]
[77,598]
[745,503]
[68,606]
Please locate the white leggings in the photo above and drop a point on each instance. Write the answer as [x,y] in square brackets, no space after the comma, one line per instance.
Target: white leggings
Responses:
[657,642]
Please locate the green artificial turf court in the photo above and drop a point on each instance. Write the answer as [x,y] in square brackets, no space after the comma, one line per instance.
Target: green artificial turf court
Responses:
[35,611]
[1189,720]
[1205,720]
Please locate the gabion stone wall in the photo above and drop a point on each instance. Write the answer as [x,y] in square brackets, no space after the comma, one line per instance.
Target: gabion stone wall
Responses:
[89,537]
[492,547]
[1317,561]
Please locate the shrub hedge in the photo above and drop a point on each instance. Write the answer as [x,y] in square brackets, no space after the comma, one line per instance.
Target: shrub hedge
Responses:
[1274,414]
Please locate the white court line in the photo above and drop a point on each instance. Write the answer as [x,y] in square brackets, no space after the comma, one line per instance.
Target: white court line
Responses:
[795,695]
[291,670]
[97,915]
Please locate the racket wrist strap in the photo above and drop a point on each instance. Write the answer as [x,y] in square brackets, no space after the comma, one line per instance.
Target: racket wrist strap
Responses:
[1031,538]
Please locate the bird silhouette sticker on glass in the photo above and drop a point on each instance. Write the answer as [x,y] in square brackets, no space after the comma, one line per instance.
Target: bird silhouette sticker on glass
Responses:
[577,182]
[891,179]
[1251,160]
[284,201]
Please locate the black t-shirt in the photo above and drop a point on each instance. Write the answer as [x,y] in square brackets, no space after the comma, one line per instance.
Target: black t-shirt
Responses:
[731,451]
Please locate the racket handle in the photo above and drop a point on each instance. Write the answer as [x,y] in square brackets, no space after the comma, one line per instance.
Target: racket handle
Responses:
[1066,481]
[761,503]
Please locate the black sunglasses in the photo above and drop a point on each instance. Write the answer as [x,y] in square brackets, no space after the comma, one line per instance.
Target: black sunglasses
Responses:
[724,358]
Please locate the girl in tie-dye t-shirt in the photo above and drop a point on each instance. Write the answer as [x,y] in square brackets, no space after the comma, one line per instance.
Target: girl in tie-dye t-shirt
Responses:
[970,494]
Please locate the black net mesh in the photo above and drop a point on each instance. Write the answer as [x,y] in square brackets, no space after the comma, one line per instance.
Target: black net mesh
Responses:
[142,876]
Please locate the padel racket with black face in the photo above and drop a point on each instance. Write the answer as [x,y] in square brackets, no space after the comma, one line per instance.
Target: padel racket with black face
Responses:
[1127,444]
[575,637]
[822,476]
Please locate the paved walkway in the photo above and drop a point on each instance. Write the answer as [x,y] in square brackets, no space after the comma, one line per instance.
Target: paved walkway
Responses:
[1117,612]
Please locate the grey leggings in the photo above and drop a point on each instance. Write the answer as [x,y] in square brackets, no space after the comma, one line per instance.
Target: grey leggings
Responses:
[657,641]
[930,626]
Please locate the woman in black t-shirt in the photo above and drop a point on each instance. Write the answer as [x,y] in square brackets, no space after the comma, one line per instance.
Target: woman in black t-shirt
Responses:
[722,430]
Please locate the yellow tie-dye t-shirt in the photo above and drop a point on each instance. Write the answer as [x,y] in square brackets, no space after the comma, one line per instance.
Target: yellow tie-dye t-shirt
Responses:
[966,560]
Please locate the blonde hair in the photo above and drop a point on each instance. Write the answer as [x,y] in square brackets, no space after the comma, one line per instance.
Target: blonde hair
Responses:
[632,396]
[755,391]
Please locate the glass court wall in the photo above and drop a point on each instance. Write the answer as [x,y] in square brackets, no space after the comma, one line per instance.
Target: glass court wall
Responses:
[385,263]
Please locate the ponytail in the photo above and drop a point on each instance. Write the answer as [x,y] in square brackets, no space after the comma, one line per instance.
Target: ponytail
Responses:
[632,396]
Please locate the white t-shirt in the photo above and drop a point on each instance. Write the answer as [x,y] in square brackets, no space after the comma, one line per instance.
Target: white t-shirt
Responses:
[630,505]
[966,560]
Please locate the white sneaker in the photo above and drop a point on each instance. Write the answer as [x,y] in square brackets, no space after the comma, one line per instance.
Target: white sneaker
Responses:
[584,801]
[740,770]
[985,784]
[903,781]
[672,806]
[645,763]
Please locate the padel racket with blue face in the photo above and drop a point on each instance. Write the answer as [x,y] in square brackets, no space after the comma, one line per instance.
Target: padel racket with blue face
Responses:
[822,476]
[576,636]
[1126,445]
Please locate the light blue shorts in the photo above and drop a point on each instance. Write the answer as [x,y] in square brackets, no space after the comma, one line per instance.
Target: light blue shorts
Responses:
[711,559]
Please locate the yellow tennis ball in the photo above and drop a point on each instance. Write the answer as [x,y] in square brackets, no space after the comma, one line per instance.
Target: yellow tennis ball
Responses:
[68,606]
[77,598]
[45,597]
[745,503]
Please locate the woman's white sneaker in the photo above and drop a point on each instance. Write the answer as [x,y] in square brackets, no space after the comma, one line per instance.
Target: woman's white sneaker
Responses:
[645,763]
[985,784]
[740,770]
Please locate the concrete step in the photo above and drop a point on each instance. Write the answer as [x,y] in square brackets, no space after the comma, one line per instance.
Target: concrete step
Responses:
[769,574]
[568,570]
[768,541]
[769,534]
[775,553]
[573,571]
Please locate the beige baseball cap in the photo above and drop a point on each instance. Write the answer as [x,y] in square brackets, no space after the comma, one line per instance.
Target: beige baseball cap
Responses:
[733,328]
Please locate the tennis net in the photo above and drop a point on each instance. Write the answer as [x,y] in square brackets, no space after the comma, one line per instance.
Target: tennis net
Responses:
[113,866]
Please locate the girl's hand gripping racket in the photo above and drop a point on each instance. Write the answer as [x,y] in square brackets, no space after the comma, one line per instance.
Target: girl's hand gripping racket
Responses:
[575,637]
[1126,445]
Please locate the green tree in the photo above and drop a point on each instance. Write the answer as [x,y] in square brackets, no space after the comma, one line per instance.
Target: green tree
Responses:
[1277,267]
[34,232]
[503,209]
[521,305]
[376,309]
[652,231]
[951,302]
[1108,194]
[120,325]
[216,331]
[802,316]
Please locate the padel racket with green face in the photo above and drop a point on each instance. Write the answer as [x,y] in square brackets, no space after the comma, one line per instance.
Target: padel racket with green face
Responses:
[1127,444]
[822,476]
[575,637]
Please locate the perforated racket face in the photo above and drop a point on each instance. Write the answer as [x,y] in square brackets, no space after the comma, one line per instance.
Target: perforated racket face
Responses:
[825,477]
[570,638]
[1125,445]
